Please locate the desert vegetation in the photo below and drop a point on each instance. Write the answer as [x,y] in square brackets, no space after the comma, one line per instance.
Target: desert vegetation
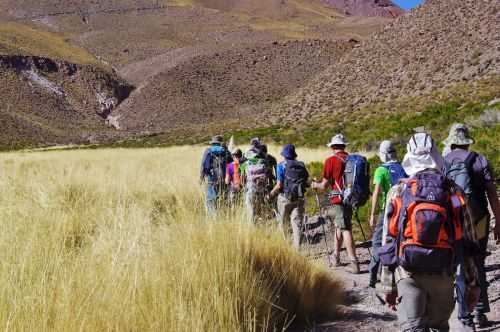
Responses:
[115,240]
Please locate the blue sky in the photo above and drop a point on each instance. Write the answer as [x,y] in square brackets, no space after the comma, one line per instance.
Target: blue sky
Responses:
[408,4]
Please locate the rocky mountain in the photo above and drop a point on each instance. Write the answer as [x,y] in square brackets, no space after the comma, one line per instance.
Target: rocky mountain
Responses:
[437,46]
[53,92]
[383,8]
[222,89]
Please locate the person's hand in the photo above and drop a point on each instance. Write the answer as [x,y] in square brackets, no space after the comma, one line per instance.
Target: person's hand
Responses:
[391,300]
[202,180]
[371,222]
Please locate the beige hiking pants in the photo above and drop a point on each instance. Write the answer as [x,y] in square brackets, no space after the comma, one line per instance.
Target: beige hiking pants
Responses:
[291,214]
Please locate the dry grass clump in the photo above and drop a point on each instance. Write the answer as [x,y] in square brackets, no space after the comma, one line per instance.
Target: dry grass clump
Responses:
[117,240]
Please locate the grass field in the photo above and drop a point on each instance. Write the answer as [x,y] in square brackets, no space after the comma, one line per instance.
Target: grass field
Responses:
[117,240]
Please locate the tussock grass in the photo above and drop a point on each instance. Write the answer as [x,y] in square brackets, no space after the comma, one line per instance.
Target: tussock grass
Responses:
[117,240]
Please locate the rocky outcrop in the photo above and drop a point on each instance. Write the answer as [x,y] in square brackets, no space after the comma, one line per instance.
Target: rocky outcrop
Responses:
[47,101]
[381,8]
[436,46]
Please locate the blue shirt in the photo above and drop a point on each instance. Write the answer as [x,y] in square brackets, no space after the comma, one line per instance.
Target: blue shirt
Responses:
[280,172]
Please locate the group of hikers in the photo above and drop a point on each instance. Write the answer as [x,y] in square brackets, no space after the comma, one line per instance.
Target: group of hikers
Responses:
[430,217]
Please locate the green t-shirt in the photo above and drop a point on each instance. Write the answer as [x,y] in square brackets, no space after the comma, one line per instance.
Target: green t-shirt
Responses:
[382,177]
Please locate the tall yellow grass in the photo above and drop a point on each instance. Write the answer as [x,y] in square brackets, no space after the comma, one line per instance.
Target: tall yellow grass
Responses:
[117,240]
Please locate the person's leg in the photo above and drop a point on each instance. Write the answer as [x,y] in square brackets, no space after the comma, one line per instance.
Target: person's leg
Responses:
[411,310]
[464,316]
[284,210]
[376,244]
[347,233]
[211,199]
[483,306]
[331,214]
[249,204]
[440,301]
[297,219]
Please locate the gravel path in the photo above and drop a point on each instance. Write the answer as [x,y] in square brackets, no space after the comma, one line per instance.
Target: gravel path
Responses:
[362,311]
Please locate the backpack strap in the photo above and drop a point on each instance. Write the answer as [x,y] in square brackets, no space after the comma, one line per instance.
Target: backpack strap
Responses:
[469,162]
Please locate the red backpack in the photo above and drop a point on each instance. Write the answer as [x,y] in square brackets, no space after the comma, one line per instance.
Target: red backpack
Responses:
[426,223]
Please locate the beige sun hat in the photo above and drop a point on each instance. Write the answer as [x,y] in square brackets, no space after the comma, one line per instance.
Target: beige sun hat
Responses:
[459,135]
[338,139]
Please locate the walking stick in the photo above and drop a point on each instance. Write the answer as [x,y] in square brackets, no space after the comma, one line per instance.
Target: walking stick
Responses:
[362,231]
[324,229]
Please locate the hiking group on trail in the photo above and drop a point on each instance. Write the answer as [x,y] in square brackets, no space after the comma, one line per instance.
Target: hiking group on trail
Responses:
[430,217]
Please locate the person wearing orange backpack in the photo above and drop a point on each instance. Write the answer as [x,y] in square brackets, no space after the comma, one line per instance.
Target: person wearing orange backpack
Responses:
[425,235]
[233,177]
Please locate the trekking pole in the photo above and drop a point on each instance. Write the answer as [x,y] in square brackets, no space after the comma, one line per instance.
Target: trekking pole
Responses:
[324,229]
[280,223]
[362,231]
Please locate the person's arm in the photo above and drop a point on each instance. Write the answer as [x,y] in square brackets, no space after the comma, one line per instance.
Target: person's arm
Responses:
[277,188]
[491,192]
[322,186]
[375,198]
[202,168]
[228,176]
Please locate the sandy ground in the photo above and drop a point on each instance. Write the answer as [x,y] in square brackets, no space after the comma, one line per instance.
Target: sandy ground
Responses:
[362,311]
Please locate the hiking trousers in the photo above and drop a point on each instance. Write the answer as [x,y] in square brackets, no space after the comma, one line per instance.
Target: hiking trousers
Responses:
[427,302]
[483,306]
[255,204]
[376,244]
[291,214]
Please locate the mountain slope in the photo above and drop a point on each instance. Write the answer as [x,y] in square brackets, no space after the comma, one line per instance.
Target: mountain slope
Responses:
[52,92]
[438,45]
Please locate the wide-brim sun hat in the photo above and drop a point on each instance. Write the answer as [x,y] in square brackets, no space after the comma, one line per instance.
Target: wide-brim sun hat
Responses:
[459,135]
[338,139]
[421,154]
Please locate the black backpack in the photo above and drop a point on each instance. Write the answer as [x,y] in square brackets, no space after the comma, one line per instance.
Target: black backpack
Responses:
[296,177]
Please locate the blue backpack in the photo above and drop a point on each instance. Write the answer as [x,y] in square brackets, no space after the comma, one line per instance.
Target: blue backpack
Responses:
[215,165]
[356,180]
[396,171]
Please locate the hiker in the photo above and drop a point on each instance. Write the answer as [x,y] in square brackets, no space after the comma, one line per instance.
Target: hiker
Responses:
[471,171]
[256,177]
[271,164]
[424,236]
[213,169]
[339,213]
[234,177]
[291,185]
[386,176]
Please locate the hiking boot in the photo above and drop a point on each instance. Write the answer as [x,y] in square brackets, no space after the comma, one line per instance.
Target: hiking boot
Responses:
[354,267]
[467,325]
[481,320]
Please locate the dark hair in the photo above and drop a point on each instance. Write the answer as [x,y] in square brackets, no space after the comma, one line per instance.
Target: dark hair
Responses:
[338,146]
[237,153]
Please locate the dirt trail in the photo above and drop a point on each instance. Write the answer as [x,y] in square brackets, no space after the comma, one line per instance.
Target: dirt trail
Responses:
[363,312]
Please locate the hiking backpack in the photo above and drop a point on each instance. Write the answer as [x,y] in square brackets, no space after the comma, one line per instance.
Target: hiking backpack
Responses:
[257,176]
[215,165]
[356,181]
[296,177]
[425,220]
[396,172]
[461,172]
